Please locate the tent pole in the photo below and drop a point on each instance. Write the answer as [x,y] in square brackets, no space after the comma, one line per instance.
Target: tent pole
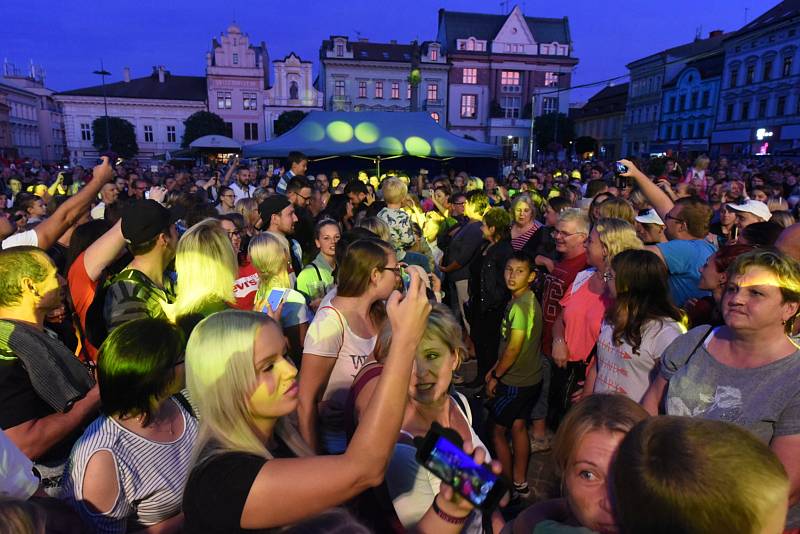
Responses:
[378,161]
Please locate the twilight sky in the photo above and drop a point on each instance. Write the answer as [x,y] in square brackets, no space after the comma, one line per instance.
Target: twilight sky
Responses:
[69,37]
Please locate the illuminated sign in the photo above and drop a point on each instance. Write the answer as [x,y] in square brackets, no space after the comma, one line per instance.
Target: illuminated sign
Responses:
[763,133]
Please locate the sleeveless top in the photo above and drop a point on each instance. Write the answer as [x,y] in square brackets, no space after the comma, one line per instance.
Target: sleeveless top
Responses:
[150,475]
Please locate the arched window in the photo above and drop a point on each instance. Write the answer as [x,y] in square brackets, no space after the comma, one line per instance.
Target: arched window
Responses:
[293,91]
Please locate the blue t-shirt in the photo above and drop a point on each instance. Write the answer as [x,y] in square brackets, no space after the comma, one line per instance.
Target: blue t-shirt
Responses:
[685,258]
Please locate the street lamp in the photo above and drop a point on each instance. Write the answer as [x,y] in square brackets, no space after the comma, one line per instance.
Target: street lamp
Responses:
[103,73]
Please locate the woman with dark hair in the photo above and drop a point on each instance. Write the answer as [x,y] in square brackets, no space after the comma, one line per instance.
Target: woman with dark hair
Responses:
[637,327]
[487,290]
[316,279]
[227,201]
[341,339]
[128,470]
[760,234]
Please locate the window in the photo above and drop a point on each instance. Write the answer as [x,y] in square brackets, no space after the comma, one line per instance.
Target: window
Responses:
[734,77]
[750,73]
[729,112]
[408,91]
[786,70]
[86,131]
[701,129]
[678,131]
[671,104]
[293,91]
[745,111]
[469,106]
[780,108]
[224,100]
[511,105]
[148,133]
[433,91]
[251,131]
[762,108]
[362,89]
[471,45]
[690,131]
[338,88]
[469,76]
[551,79]
[682,101]
[434,55]
[229,129]
[706,99]
[249,101]
[767,73]
[694,101]
[395,90]
[171,137]
[668,132]
[235,58]
[379,89]
[339,49]
[550,105]
[515,48]
[509,80]
[435,116]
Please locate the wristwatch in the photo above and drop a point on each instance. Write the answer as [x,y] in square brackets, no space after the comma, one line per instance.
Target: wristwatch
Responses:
[494,375]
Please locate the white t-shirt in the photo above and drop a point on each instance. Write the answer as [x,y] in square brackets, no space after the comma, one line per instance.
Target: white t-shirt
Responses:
[17,480]
[329,336]
[619,370]
[22,239]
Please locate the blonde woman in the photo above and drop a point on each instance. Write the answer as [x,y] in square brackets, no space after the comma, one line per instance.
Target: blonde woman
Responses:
[269,254]
[245,475]
[248,208]
[206,267]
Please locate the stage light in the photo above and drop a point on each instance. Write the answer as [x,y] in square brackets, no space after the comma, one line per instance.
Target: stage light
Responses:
[417,146]
[392,144]
[340,131]
[367,132]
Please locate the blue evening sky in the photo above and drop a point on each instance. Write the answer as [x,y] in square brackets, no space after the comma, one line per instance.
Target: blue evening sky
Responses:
[69,37]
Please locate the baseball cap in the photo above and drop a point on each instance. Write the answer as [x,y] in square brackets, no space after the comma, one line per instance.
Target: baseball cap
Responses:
[649,216]
[270,206]
[143,220]
[756,207]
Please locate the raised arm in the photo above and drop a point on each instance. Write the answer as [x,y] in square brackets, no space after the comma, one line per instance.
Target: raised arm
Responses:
[658,198]
[52,228]
[103,251]
[282,483]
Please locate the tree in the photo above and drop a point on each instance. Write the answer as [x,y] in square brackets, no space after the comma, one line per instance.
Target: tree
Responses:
[585,144]
[288,120]
[121,134]
[553,131]
[202,123]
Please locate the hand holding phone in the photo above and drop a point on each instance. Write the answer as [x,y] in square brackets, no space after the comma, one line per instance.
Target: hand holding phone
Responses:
[276,297]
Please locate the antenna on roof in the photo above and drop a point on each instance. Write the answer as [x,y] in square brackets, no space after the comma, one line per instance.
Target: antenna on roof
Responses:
[745,14]
[698,33]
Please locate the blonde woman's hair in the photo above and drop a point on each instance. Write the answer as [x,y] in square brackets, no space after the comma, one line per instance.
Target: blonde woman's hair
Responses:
[206,267]
[21,517]
[394,190]
[617,235]
[376,226]
[268,253]
[247,208]
[442,326]
[616,208]
[473,183]
[221,376]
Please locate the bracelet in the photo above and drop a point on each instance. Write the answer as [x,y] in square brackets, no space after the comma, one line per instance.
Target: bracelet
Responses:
[453,520]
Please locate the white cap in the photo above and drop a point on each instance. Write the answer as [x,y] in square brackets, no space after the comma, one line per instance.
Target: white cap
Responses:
[649,217]
[756,207]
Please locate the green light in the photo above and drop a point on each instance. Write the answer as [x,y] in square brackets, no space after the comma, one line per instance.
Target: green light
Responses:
[340,131]
[392,144]
[417,146]
[366,132]
[313,131]
[442,147]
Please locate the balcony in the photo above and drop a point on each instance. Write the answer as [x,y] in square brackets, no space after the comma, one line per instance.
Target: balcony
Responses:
[503,122]
[340,103]
[434,103]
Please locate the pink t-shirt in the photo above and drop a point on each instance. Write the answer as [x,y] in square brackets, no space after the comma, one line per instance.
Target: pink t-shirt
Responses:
[583,314]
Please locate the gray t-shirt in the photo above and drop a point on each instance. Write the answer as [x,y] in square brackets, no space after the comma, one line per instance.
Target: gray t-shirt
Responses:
[764,400]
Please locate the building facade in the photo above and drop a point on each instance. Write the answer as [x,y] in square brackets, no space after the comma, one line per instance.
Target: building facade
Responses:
[602,118]
[156,105]
[498,64]
[7,150]
[759,105]
[365,76]
[689,107]
[645,92]
[292,90]
[237,76]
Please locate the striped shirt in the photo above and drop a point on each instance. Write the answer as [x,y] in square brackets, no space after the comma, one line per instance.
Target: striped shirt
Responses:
[518,242]
[150,475]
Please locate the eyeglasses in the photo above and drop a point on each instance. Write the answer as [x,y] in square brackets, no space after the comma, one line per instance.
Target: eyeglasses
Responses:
[398,271]
[458,203]
[557,233]
[235,233]
[676,219]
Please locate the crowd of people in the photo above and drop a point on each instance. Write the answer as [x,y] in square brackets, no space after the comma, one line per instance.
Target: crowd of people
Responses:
[224,348]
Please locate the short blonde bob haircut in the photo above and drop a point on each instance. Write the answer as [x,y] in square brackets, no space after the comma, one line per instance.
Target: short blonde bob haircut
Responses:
[617,235]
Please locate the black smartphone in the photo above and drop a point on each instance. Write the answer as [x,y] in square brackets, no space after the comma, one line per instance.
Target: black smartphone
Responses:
[68,180]
[441,453]
[619,168]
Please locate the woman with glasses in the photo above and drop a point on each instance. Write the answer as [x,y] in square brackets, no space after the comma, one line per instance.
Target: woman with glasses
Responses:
[227,201]
[127,472]
[341,339]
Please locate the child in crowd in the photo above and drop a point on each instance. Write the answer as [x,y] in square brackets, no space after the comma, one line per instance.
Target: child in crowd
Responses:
[515,382]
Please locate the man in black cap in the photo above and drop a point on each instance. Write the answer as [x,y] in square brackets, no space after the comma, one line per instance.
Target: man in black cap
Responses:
[141,289]
[277,216]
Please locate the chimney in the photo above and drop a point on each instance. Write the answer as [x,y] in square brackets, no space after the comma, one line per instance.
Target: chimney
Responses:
[714,33]
[126,74]
[161,74]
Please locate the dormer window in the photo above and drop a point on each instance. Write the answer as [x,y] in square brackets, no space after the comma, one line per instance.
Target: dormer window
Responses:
[235,58]
[434,54]
[471,45]
[339,49]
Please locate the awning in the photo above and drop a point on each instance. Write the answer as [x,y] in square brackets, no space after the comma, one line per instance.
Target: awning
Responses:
[215,142]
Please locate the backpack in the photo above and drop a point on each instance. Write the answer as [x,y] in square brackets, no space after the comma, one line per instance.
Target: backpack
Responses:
[96,328]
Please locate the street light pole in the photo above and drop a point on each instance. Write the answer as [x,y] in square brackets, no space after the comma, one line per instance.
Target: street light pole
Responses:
[530,138]
[103,73]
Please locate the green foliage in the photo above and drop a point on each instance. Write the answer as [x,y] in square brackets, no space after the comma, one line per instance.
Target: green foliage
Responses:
[121,134]
[202,123]
[544,128]
[585,143]
[288,120]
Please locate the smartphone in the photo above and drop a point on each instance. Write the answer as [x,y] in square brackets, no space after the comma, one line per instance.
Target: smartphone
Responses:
[275,298]
[427,193]
[423,171]
[68,179]
[619,168]
[153,168]
[147,194]
[441,453]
